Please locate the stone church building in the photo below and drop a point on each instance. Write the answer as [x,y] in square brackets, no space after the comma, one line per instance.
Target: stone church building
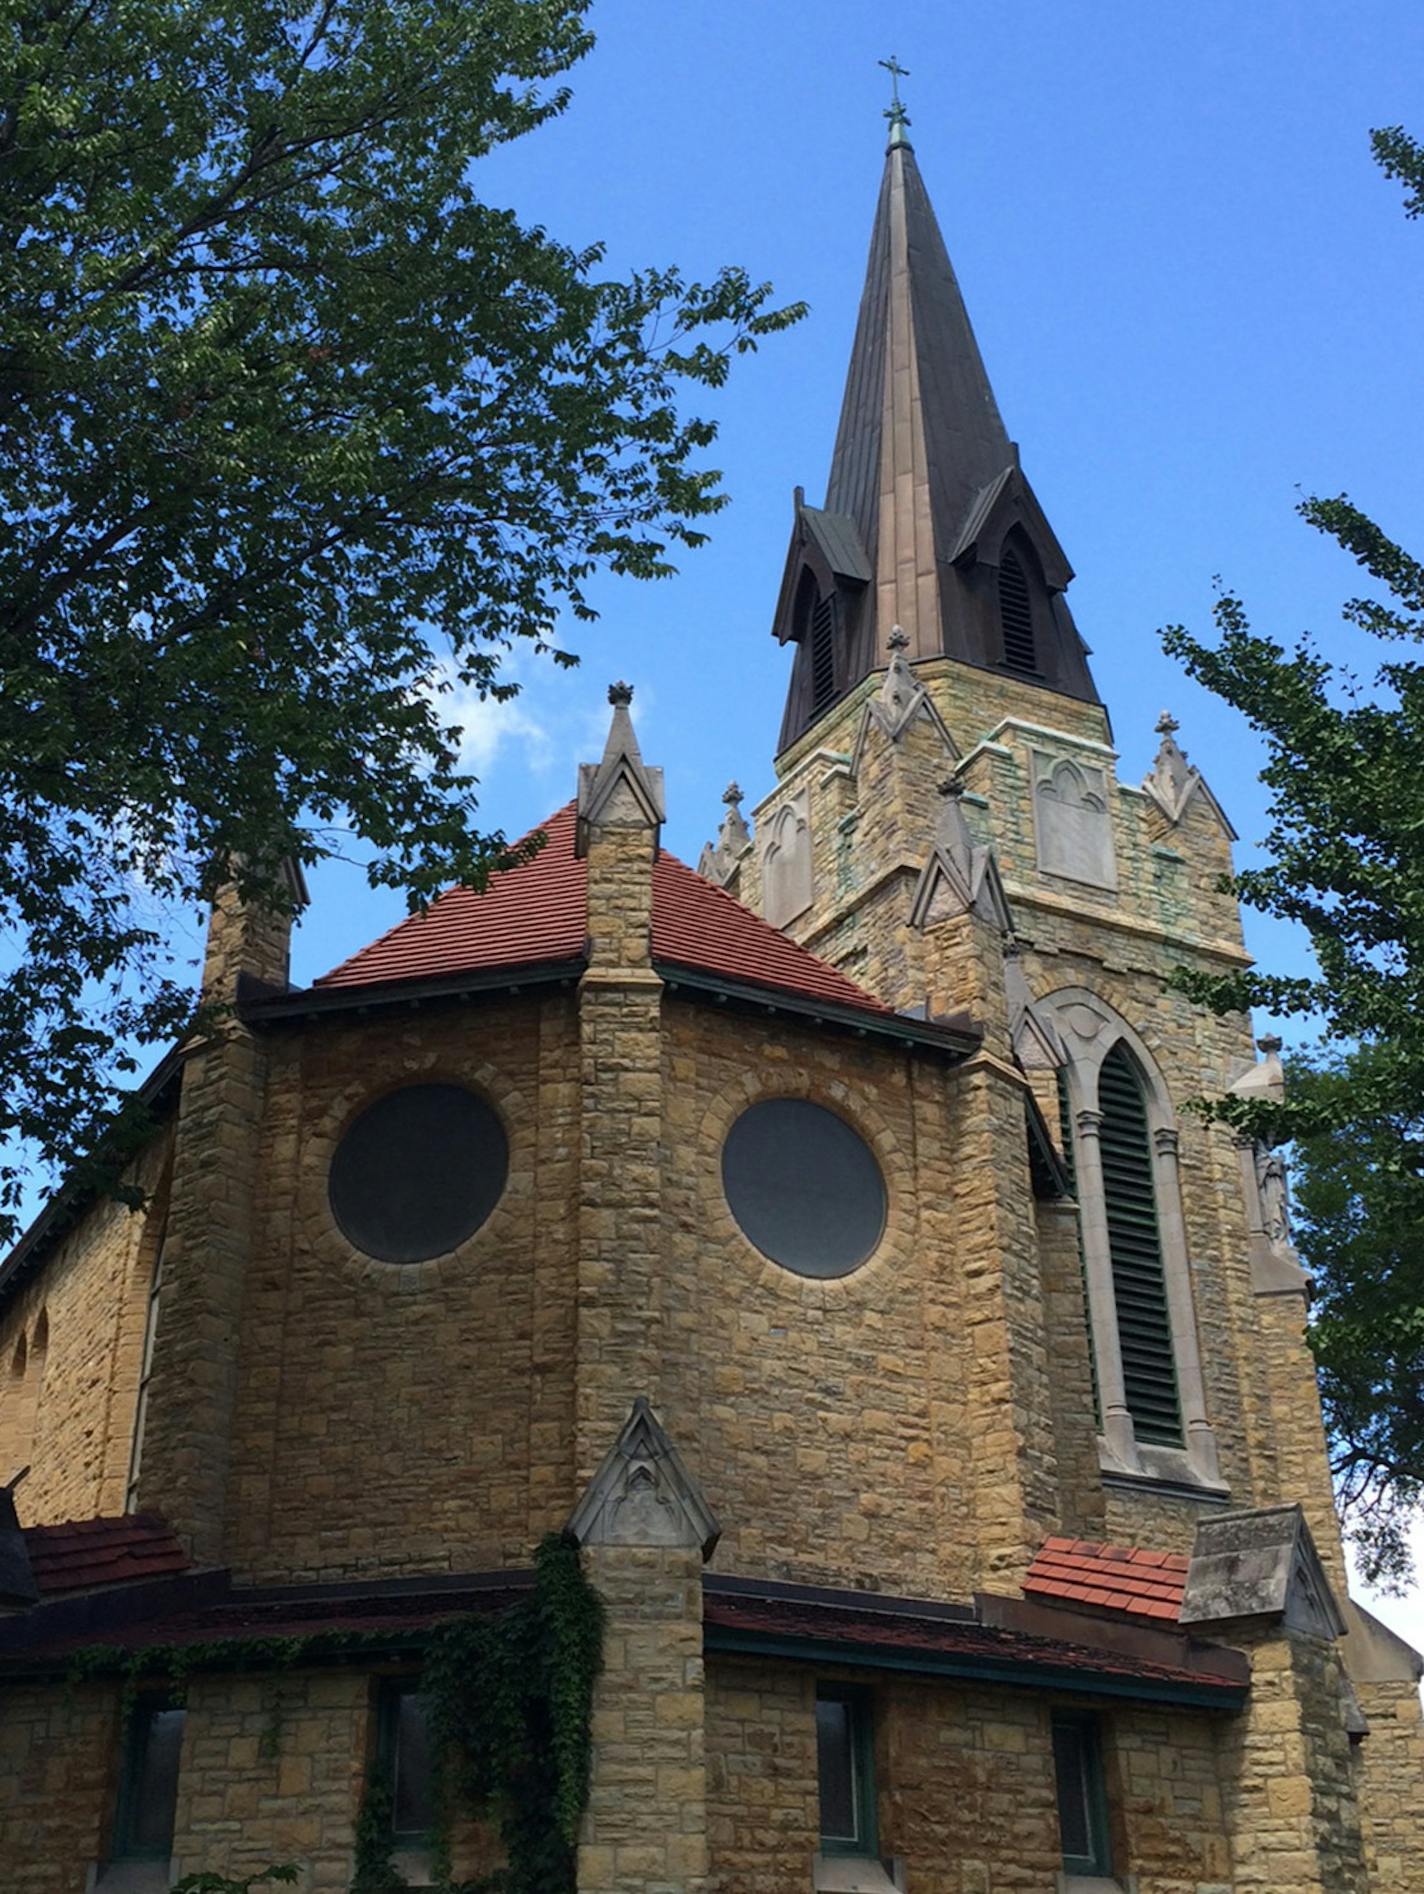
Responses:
[818,1236]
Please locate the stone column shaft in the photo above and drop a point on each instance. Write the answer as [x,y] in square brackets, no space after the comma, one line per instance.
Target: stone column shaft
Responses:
[1102,1293]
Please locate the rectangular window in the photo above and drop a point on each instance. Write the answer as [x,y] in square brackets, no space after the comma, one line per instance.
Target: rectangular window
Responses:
[845,1763]
[405,1759]
[1082,1798]
[148,1790]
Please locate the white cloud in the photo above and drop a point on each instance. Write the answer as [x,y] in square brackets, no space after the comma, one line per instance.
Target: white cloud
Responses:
[488,726]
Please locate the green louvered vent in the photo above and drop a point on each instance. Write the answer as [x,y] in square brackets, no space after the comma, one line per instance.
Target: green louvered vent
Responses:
[823,652]
[1070,1164]
[1144,1328]
[1016,615]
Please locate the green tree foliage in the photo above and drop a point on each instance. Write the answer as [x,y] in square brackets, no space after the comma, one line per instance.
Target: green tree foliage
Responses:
[297,431]
[1345,859]
[1359,1201]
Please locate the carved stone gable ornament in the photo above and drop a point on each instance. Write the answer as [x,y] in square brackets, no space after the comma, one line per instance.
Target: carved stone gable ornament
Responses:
[643,1495]
[720,860]
[1260,1564]
[621,791]
[1036,1039]
[1172,781]
[901,702]
[961,875]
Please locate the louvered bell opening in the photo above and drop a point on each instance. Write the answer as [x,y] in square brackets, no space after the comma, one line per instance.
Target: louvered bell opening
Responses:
[1149,1367]
[1016,615]
[823,652]
[1070,1164]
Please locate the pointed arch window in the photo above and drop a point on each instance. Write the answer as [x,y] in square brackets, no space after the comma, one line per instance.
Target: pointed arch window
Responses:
[814,621]
[1144,1322]
[1121,1143]
[1016,613]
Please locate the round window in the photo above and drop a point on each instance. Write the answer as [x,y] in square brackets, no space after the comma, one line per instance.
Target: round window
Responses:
[804,1187]
[418,1172]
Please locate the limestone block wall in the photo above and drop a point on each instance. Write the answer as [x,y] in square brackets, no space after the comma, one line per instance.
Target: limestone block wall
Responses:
[828,1421]
[1391,1779]
[763,1811]
[1289,1777]
[965,1780]
[71,1342]
[272,1770]
[409,1417]
[58,1776]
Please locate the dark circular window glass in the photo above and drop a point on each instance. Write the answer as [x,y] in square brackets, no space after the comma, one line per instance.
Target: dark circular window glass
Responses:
[805,1188]
[418,1172]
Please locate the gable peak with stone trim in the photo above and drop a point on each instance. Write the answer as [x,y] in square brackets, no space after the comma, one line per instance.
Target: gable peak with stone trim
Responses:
[620,791]
[643,1494]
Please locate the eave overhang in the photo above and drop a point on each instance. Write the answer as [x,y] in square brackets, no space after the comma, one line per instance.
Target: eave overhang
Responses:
[258,1007]
[977,1644]
[74,1196]
[954,1042]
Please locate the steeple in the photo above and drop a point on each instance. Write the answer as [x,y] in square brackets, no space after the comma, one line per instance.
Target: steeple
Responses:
[929,522]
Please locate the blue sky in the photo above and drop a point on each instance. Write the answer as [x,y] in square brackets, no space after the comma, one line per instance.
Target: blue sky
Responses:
[1196,296]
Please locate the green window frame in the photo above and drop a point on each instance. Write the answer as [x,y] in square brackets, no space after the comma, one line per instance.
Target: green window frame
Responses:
[148,1780]
[845,1769]
[1083,1826]
[403,1760]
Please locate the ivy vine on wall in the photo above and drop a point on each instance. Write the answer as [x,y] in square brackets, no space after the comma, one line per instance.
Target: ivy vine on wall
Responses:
[510,1705]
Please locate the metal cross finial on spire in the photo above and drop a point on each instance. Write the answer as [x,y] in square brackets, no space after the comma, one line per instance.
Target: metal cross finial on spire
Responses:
[899,118]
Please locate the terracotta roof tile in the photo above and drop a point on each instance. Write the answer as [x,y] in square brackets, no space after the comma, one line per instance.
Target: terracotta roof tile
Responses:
[538,912]
[81,1554]
[1133,1580]
[905,1632]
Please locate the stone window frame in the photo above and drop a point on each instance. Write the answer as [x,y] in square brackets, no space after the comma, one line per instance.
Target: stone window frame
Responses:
[337,1109]
[127,1855]
[862,1288]
[1089,1029]
[153,1303]
[1085,1728]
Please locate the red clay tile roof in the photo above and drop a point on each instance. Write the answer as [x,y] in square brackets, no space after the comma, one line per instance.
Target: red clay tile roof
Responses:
[84,1553]
[539,912]
[904,1635]
[1128,1579]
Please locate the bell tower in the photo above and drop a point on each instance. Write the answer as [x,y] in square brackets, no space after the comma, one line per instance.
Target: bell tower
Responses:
[949,829]
[929,521]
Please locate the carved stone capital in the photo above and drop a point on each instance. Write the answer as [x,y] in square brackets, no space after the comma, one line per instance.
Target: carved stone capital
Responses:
[1167,1140]
[1089,1123]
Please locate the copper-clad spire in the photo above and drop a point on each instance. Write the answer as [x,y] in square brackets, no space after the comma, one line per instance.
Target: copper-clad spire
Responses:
[925,485]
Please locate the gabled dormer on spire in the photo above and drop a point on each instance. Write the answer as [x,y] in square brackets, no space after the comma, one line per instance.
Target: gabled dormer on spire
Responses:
[929,521]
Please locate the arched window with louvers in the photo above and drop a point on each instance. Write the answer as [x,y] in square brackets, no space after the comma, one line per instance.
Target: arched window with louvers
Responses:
[1120,1137]
[814,619]
[1016,615]
[1144,1321]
